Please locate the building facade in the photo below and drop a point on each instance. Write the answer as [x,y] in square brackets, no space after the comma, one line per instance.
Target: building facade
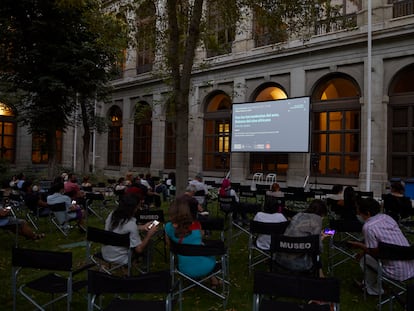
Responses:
[357,119]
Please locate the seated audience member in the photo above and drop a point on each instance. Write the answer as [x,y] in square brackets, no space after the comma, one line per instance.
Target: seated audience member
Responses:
[226,191]
[72,188]
[73,211]
[20,180]
[201,189]
[396,204]
[33,200]
[195,206]
[9,222]
[347,210]
[122,220]
[86,184]
[304,223]
[270,215]
[380,228]
[275,191]
[183,228]
[161,188]
[337,193]
[137,189]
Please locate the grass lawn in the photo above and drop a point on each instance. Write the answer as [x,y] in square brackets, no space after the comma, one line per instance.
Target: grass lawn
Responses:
[195,299]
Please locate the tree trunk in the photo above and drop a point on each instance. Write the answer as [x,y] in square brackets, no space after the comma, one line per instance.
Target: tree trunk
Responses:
[51,154]
[181,81]
[86,138]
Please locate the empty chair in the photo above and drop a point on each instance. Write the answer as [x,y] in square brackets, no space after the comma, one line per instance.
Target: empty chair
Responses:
[221,271]
[59,217]
[57,281]
[100,284]
[270,178]
[273,291]
[96,204]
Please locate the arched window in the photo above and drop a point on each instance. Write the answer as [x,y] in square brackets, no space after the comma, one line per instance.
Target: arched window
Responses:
[115,136]
[217,132]
[401,125]
[170,141]
[336,123]
[7,133]
[142,135]
[146,31]
[269,162]
[39,148]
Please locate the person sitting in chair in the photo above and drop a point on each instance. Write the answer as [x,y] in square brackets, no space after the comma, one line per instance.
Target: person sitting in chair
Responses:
[183,228]
[122,220]
[226,191]
[396,204]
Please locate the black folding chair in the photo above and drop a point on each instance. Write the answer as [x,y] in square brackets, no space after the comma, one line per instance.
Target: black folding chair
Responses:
[59,217]
[221,272]
[258,255]
[100,284]
[339,251]
[387,252]
[105,237]
[59,286]
[304,246]
[272,291]
[96,204]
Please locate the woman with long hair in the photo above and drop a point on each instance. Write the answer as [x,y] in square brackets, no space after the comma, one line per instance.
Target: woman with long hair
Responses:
[122,220]
[183,228]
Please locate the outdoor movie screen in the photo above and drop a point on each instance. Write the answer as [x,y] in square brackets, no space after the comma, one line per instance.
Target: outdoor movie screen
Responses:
[271,126]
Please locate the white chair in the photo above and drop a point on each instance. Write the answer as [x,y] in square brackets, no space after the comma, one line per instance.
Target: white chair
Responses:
[270,178]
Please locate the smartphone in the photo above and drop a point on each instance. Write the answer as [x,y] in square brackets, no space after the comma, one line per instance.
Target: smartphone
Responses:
[154,223]
[8,208]
[328,231]
[73,202]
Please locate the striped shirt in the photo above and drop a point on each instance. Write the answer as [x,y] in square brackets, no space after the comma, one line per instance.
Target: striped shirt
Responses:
[383,228]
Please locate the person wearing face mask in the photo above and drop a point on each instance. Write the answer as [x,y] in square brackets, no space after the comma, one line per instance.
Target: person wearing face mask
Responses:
[377,228]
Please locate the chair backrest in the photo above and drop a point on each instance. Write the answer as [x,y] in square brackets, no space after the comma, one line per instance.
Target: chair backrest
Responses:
[211,223]
[296,244]
[272,203]
[258,227]
[107,237]
[152,282]
[246,192]
[299,287]
[226,203]
[144,216]
[41,259]
[94,196]
[211,249]
[345,225]
[395,252]
[57,207]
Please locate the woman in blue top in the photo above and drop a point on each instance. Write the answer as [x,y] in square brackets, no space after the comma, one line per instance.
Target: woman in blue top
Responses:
[183,228]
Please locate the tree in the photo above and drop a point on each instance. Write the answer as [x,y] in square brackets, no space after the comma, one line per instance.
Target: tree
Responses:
[54,54]
[189,25]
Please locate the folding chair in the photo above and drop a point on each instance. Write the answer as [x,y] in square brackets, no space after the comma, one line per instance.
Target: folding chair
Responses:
[387,252]
[308,246]
[258,255]
[152,283]
[4,225]
[339,251]
[261,192]
[144,216]
[59,217]
[214,225]
[51,283]
[104,237]
[273,291]
[247,194]
[95,201]
[221,272]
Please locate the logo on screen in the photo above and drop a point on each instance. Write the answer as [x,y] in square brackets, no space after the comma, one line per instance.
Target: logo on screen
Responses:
[267,146]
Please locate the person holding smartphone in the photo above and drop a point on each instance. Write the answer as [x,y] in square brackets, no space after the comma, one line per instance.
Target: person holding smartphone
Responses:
[122,220]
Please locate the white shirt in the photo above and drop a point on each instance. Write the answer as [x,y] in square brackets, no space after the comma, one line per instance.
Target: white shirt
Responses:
[116,253]
[263,240]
